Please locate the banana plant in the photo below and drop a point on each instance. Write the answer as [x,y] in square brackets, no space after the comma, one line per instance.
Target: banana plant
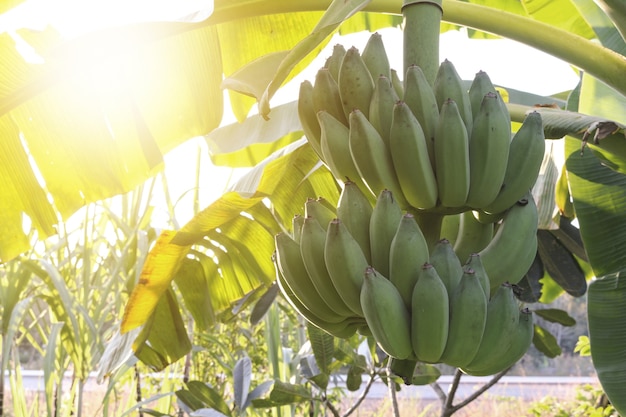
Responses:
[138,90]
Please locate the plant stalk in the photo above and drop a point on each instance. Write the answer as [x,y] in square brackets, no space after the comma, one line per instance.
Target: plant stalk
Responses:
[422,19]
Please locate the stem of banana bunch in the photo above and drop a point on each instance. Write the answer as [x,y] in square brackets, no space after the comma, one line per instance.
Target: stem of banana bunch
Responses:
[422,19]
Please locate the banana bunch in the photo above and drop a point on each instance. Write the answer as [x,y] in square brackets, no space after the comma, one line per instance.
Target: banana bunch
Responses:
[366,267]
[437,147]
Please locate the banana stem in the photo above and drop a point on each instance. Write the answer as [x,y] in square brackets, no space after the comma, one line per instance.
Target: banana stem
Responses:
[422,19]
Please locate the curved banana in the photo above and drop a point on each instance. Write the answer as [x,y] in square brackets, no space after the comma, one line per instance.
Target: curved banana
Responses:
[375,56]
[447,264]
[481,85]
[473,235]
[318,209]
[333,63]
[525,155]
[511,251]
[384,222]
[342,330]
[419,96]
[326,95]
[335,148]
[502,318]
[397,83]
[355,211]
[449,86]
[450,228]
[430,315]
[411,160]
[476,264]
[452,164]
[381,106]
[312,243]
[296,227]
[372,158]
[407,253]
[516,346]
[468,315]
[488,151]
[386,315]
[296,276]
[345,262]
[308,118]
[356,85]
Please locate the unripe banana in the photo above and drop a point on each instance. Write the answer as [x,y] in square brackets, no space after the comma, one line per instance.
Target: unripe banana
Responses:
[488,151]
[372,158]
[397,83]
[452,164]
[312,244]
[476,264]
[447,264]
[343,329]
[450,228]
[483,217]
[294,272]
[525,155]
[375,57]
[518,343]
[510,253]
[355,211]
[473,235]
[333,63]
[381,107]
[419,96]
[296,226]
[326,95]
[335,147]
[449,86]
[345,262]
[356,85]
[429,315]
[321,211]
[308,119]
[386,315]
[408,252]
[384,222]
[480,86]
[411,159]
[468,314]
[502,319]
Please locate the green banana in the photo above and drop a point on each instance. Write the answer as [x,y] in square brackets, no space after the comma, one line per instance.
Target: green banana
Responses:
[510,253]
[476,264]
[452,164]
[356,85]
[449,86]
[525,156]
[308,119]
[345,262]
[375,57]
[355,211]
[381,107]
[502,319]
[447,264]
[407,253]
[296,276]
[384,221]
[333,63]
[343,329]
[450,228]
[372,158]
[411,160]
[488,151]
[468,314]
[312,244]
[397,83]
[386,315]
[320,210]
[429,315]
[473,235]
[335,149]
[296,225]
[419,96]
[517,345]
[326,95]
[480,86]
